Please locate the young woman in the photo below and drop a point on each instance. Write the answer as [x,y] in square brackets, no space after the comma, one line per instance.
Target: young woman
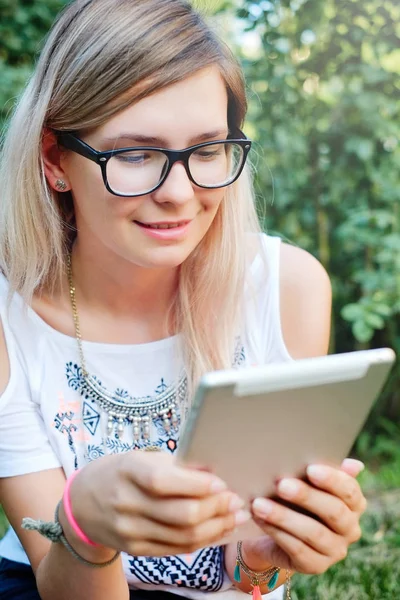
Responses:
[132,263]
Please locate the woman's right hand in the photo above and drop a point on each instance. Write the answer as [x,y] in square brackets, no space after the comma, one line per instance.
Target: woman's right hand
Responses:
[145,504]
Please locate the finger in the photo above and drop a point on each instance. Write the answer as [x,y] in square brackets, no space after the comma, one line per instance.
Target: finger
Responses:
[302,558]
[313,533]
[191,511]
[329,508]
[189,538]
[160,476]
[352,467]
[338,483]
[150,548]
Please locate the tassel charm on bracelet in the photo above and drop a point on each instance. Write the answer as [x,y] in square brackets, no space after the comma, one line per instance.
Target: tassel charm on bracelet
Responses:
[269,577]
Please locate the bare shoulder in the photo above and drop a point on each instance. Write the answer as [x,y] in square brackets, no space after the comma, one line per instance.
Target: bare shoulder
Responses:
[306,300]
[4,361]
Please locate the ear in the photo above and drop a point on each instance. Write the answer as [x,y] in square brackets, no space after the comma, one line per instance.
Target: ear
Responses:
[53,169]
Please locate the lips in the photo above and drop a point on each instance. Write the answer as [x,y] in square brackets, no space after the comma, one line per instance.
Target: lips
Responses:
[163,225]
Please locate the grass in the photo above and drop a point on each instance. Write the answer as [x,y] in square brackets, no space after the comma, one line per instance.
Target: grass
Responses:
[371,570]
[3,523]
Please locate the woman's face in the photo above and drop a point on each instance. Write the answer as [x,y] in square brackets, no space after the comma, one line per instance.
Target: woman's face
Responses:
[186,113]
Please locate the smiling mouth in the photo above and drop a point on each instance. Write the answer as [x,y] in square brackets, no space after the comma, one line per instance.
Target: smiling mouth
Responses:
[162,225]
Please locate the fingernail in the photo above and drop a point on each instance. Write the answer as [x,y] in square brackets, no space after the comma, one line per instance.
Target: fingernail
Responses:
[288,488]
[217,486]
[235,503]
[242,516]
[262,507]
[353,462]
[317,472]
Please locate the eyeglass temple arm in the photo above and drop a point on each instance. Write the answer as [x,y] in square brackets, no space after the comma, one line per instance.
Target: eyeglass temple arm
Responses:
[70,142]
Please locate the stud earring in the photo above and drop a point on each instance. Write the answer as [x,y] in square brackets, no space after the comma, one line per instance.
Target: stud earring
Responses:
[61,185]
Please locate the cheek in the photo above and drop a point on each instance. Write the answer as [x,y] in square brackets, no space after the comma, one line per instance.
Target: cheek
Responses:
[84,177]
[211,200]
[91,197]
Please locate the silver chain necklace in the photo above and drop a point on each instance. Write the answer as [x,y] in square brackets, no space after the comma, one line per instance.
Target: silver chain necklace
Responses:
[135,412]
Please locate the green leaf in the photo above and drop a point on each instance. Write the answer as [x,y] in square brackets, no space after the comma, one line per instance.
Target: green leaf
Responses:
[362,332]
[375,321]
[382,309]
[351,312]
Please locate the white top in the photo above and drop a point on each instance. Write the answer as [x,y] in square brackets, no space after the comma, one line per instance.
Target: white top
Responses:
[47,420]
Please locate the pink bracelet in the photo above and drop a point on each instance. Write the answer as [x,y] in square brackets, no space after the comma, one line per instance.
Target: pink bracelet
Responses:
[68,511]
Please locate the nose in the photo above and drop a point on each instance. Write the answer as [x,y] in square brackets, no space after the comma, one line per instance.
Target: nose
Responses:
[177,188]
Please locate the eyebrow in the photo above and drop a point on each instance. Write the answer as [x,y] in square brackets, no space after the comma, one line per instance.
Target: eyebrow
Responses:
[149,140]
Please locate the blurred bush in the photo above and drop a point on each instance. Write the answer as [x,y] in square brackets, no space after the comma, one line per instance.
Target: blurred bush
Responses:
[324,89]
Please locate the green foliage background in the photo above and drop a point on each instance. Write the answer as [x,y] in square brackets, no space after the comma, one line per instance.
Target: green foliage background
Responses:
[324,90]
[23,23]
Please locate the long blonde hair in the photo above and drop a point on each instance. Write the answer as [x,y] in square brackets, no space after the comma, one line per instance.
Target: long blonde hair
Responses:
[96,54]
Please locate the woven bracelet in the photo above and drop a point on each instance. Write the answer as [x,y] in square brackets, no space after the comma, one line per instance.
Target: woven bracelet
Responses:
[53,531]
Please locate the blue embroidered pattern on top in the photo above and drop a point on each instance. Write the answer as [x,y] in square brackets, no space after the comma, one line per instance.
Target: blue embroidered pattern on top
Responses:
[93,452]
[67,429]
[91,418]
[202,570]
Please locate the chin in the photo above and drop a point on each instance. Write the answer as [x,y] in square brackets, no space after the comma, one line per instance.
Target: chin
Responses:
[167,259]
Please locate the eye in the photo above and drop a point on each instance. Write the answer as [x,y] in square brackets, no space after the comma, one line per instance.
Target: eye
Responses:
[207,153]
[132,157]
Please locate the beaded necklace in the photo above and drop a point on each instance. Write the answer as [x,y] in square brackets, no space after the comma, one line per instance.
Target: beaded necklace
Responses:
[136,412]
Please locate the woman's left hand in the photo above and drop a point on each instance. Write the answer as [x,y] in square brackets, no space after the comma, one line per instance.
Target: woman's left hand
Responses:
[300,542]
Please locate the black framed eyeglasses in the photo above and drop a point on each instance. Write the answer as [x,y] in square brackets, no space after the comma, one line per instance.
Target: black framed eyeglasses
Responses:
[140,170]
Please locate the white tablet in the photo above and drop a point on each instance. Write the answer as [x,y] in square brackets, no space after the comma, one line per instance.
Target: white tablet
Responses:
[256,425]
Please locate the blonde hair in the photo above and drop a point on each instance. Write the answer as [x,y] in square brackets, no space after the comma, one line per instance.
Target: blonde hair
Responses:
[100,57]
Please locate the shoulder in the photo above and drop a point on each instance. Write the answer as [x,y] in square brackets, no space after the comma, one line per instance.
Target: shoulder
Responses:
[305,301]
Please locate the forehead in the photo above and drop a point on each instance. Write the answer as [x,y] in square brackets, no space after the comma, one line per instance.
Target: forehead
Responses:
[190,107]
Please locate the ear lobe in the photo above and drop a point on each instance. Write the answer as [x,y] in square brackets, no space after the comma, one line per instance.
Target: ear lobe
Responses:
[51,156]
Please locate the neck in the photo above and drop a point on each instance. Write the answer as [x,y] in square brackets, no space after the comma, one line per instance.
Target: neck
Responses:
[107,282]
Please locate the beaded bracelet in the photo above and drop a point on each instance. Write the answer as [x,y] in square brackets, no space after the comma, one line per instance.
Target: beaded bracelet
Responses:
[54,532]
[257,578]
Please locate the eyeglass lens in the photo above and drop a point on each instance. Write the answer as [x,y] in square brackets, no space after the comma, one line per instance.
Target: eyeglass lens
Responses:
[139,171]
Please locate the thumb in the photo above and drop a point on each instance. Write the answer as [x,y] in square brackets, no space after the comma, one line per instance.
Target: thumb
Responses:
[352,467]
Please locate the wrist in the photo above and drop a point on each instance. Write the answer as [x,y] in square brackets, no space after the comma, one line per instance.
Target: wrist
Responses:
[253,572]
[75,535]
[95,554]
[253,552]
